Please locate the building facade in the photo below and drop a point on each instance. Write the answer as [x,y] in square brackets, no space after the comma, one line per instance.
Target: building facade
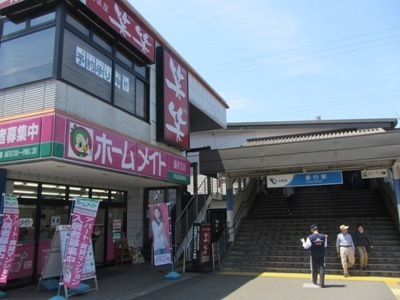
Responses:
[93,103]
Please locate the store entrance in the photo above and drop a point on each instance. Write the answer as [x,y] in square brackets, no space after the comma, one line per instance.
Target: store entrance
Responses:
[37,227]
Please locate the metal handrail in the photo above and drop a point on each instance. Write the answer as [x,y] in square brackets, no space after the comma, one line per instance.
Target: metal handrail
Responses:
[222,246]
[225,242]
[387,192]
[193,212]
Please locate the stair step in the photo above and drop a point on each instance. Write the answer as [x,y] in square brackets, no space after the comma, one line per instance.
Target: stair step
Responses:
[269,239]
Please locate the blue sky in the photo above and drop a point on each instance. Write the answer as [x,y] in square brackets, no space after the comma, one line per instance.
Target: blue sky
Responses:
[289,60]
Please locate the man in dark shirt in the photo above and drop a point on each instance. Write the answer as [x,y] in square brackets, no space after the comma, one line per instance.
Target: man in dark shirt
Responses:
[362,243]
[317,243]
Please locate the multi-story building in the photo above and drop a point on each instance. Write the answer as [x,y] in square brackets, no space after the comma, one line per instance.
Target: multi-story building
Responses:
[93,103]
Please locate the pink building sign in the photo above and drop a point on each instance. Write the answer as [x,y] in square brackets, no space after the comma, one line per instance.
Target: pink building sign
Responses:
[58,136]
[125,24]
[87,144]
[8,235]
[78,242]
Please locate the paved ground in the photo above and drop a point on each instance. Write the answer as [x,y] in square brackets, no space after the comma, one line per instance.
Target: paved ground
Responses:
[276,286]
[145,282]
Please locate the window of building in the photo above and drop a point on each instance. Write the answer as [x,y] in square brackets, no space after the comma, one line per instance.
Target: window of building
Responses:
[124,90]
[78,25]
[25,190]
[41,19]
[86,67]
[27,59]
[53,191]
[141,99]
[10,27]
[100,194]
[118,196]
[77,191]
[102,42]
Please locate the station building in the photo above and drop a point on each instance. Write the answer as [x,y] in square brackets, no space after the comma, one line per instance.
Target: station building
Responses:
[93,103]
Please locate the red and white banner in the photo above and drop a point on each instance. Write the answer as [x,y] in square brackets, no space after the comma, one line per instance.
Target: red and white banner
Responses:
[79,239]
[8,235]
[172,100]
[159,219]
[123,22]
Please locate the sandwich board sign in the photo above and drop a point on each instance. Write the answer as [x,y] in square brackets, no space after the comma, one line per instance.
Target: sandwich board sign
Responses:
[54,264]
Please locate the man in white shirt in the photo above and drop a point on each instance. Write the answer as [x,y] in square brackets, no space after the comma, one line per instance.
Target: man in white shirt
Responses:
[345,249]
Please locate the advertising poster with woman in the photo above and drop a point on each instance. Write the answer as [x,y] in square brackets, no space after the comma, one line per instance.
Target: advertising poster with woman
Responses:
[159,220]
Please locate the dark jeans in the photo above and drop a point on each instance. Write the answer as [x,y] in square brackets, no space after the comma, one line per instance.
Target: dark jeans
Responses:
[318,266]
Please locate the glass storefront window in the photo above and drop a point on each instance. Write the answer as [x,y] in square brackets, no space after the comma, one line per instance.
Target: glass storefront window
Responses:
[25,190]
[101,194]
[156,196]
[75,191]
[52,216]
[52,191]
[20,66]
[118,196]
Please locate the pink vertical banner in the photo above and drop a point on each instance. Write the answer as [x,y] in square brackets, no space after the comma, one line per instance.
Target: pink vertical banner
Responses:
[159,218]
[83,217]
[8,235]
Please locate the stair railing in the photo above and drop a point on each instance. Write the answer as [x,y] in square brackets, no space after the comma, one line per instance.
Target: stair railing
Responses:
[241,205]
[387,192]
[194,212]
[243,202]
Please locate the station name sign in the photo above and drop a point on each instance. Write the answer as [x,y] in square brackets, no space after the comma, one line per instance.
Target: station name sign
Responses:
[305,179]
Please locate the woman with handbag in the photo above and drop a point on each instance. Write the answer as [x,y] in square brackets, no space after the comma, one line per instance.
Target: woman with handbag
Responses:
[363,246]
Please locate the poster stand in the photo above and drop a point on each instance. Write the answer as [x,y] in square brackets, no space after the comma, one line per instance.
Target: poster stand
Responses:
[6,237]
[2,294]
[53,267]
[171,275]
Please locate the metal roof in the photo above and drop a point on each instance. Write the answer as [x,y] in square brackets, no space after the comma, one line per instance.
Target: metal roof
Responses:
[310,137]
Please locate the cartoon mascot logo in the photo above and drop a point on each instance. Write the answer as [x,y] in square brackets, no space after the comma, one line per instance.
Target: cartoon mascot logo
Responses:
[81,141]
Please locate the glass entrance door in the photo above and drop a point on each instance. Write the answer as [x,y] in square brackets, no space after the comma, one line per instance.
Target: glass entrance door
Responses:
[23,265]
[50,217]
[98,237]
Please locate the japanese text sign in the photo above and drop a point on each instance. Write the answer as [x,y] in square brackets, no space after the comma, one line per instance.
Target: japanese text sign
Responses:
[305,179]
[126,25]
[90,145]
[20,139]
[8,235]
[172,100]
[83,217]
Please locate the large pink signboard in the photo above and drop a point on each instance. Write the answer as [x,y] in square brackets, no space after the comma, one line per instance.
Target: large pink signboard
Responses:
[90,145]
[78,242]
[58,136]
[126,25]
[8,235]
[172,100]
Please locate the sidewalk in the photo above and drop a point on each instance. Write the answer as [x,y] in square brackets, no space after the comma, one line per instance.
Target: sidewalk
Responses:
[142,281]
[119,283]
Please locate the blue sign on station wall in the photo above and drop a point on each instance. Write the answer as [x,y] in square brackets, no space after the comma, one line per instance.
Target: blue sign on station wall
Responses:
[305,179]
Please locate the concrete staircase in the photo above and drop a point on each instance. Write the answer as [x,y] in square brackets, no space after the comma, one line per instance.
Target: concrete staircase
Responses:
[269,239]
